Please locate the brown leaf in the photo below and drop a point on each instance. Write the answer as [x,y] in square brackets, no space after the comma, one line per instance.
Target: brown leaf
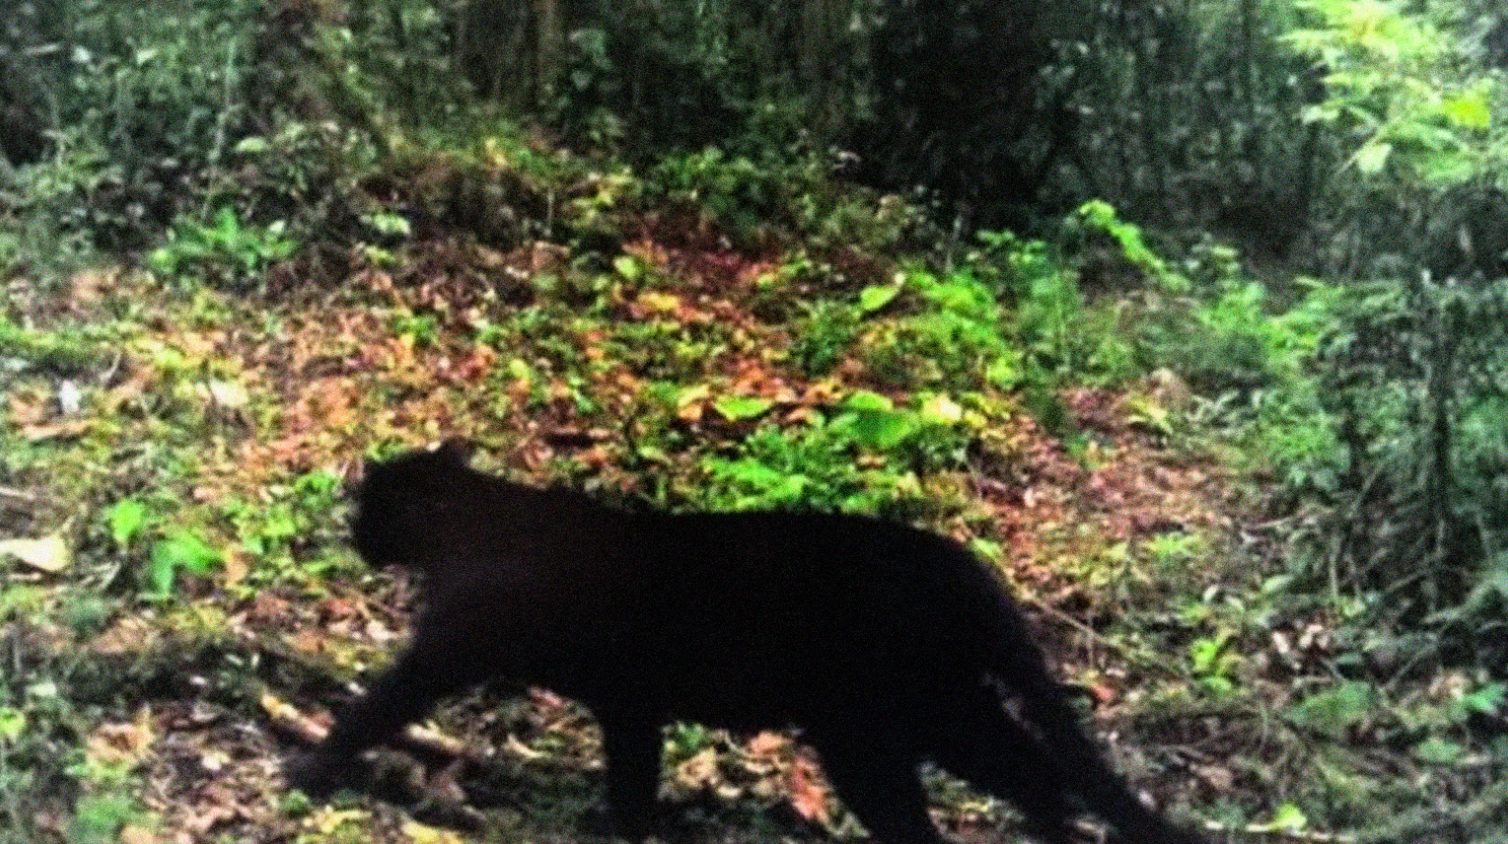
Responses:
[128,634]
[63,429]
[121,742]
[809,793]
[28,408]
[767,743]
[700,771]
[289,718]
[137,835]
[1103,693]
[1218,777]
[235,566]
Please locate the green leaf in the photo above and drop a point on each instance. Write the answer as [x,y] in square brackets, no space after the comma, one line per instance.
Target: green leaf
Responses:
[1438,751]
[865,400]
[389,224]
[987,549]
[1205,654]
[941,410]
[1468,109]
[1334,711]
[1287,817]
[872,299]
[252,145]
[1486,699]
[181,551]
[629,267]
[12,723]
[882,430]
[127,518]
[735,408]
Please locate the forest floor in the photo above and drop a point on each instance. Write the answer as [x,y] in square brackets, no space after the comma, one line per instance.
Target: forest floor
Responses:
[178,648]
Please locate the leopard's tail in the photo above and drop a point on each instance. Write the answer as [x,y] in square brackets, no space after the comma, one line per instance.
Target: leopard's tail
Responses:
[1019,665]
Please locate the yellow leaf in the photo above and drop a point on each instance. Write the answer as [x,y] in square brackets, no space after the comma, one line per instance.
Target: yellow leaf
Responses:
[418,833]
[664,303]
[326,820]
[137,835]
[1468,109]
[940,408]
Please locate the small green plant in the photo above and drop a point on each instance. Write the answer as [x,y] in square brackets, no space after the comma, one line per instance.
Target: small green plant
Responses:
[293,518]
[816,466]
[127,519]
[739,408]
[182,551]
[422,329]
[1172,552]
[736,192]
[1336,710]
[1213,661]
[225,250]
[1100,215]
[99,818]
[824,337]
[956,340]
[1058,337]
[685,739]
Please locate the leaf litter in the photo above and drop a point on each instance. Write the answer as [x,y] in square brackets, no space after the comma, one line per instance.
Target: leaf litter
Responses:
[334,379]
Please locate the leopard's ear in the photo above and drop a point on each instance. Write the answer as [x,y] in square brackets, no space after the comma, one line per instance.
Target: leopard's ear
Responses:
[457,450]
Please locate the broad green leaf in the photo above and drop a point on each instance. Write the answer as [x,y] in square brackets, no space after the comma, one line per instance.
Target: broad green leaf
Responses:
[1205,653]
[986,548]
[872,299]
[1005,371]
[865,400]
[1334,711]
[1468,109]
[1287,817]
[127,518]
[882,430]
[1486,699]
[1438,751]
[181,551]
[940,409]
[663,303]
[735,408]
[629,267]
[12,723]
[252,145]
[387,223]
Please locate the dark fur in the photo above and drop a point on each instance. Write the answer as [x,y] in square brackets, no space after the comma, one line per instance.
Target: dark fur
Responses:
[883,643]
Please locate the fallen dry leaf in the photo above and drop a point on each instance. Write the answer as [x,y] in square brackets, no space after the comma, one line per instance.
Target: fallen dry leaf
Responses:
[288,716]
[128,634]
[28,409]
[122,742]
[49,553]
[421,834]
[700,771]
[63,430]
[767,743]
[137,835]
[236,566]
[809,793]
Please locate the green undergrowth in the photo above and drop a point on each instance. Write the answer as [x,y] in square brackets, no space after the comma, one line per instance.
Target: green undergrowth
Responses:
[721,330]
